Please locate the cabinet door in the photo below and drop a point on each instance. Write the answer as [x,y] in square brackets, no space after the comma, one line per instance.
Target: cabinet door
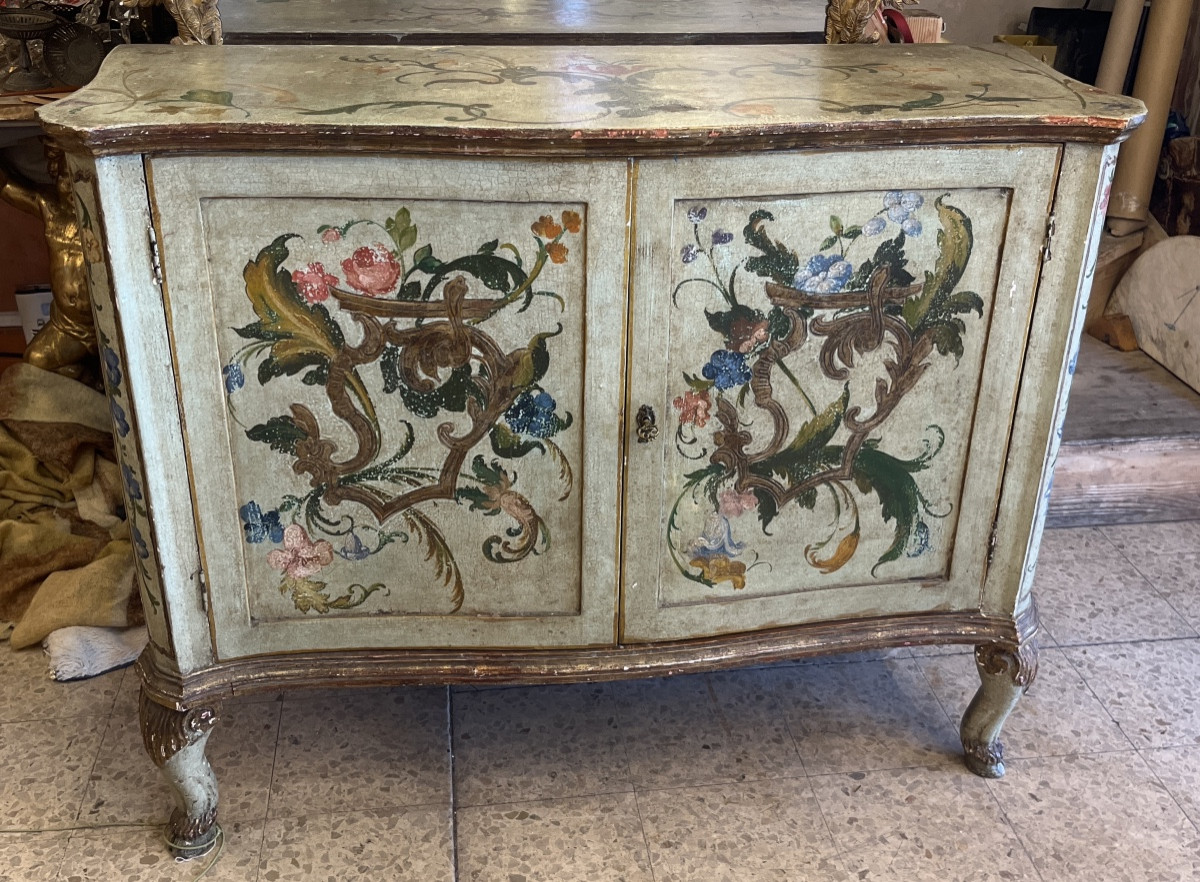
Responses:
[401,386]
[831,344]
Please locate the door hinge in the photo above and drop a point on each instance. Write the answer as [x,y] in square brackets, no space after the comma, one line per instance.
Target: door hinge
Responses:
[155,261]
[202,584]
[1046,255]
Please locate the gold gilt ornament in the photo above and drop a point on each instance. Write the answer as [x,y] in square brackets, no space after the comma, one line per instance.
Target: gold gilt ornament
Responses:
[198,21]
[69,335]
[846,21]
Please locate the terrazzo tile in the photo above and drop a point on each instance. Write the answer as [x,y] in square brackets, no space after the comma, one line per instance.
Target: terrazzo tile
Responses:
[1087,592]
[1058,715]
[127,788]
[749,832]
[583,839]
[138,854]
[381,749]
[537,743]
[1176,578]
[1178,768]
[31,857]
[705,729]
[403,845]
[44,768]
[1150,689]
[1143,542]
[918,824]
[1098,817]
[869,716]
[28,693]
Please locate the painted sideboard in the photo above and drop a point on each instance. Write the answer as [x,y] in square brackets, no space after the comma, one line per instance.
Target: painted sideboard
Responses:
[444,364]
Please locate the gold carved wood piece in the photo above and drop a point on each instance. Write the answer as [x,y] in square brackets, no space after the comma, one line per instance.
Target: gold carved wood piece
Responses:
[69,335]
[198,21]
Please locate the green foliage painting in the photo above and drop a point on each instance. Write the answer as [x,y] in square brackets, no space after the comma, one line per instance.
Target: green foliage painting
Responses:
[748,464]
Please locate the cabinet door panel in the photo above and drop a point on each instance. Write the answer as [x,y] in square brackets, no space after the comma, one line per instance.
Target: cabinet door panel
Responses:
[833,361]
[387,368]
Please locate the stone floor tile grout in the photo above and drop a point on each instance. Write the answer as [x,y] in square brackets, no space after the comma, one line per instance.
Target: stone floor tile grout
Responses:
[1161,783]
[990,784]
[787,726]
[108,724]
[266,818]
[1103,704]
[637,803]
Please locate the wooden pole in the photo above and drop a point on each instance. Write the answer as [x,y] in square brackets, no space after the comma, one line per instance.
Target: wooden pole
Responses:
[1118,46]
[1162,47]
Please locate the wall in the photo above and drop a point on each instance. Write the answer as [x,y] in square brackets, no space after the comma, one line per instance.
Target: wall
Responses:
[976,21]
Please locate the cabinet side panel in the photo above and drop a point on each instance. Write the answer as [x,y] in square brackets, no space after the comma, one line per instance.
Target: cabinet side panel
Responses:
[131,325]
[1083,188]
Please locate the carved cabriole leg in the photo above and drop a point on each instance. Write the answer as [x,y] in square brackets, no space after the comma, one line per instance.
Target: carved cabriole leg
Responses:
[175,741]
[1006,671]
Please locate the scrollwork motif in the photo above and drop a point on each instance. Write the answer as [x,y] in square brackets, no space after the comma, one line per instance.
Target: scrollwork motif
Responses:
[165,732]
[421,322]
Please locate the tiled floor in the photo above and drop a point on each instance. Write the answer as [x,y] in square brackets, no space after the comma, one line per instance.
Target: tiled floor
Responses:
[836,769]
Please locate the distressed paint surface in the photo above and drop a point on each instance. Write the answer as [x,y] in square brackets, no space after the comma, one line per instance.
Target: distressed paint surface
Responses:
[116,384]
[653,92]
[824,438]
[405,384]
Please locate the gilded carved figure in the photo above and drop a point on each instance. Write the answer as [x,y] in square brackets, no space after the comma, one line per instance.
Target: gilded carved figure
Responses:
[69,336]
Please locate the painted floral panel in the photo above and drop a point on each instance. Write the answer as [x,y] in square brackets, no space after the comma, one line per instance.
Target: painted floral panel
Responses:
[403,382]
[825,355]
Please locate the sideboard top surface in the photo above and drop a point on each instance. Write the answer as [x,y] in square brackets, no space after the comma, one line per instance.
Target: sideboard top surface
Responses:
[614,100]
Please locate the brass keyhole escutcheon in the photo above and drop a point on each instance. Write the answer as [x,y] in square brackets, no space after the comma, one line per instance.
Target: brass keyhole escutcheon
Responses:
[647,428]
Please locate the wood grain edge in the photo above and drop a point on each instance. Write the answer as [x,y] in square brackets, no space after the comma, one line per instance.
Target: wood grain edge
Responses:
[1128,481]
[426,667]
[282,139]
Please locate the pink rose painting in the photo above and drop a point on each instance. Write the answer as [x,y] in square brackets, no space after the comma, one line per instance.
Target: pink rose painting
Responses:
[300,557]
[733,504]
[313,282]
[372,270]
[693,407]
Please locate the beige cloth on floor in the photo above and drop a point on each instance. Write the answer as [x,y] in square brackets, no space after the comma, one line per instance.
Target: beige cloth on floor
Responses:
[65,554]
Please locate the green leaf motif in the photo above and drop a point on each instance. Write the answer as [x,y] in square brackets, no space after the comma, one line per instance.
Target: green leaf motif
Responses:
[402,230]
[510,445]
[933,100]
[280,432]
[497,273]
[452,395]
[890,252]
[899,498]
[208,96]
[955,241]
[777,262]
[807,454]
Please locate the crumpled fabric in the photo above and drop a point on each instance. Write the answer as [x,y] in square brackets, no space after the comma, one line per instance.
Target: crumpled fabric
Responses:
[65,554]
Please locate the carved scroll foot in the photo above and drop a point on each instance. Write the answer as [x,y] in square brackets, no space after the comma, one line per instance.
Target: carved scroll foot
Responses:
[175,741]
[1006,671]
